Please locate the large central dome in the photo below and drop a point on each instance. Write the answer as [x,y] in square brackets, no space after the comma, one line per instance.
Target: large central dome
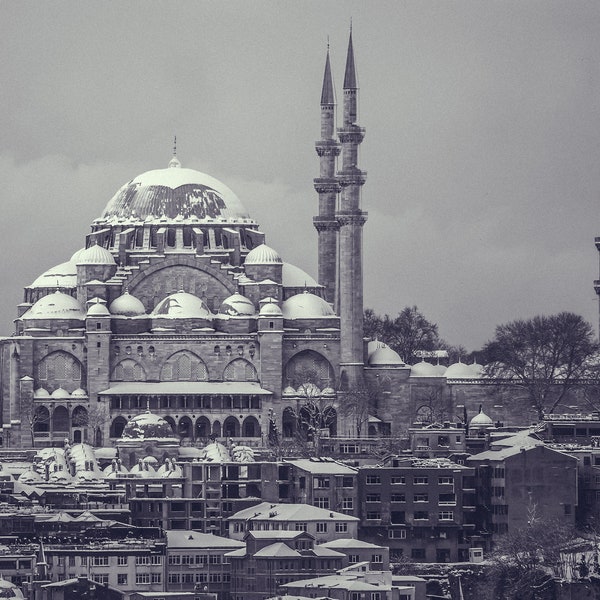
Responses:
[175,192]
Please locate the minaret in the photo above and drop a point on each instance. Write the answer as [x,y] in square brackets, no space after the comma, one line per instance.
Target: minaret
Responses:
[351,220]
[328,187]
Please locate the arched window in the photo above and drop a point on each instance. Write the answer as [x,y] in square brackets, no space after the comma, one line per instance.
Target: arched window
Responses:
[250,427]
[202,428]
[184,428]
[79,418]
[216,429]
[231,427]
[117,426]
[128,370]
[310,367]
[240,370]
[60,420]
[329,420]
[59,366]
[184,366]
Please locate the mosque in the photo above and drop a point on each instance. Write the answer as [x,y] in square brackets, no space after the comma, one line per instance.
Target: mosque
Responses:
[177,306]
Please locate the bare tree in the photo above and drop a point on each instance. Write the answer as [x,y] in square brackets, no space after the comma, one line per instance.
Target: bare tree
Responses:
[357,404]
[36,417]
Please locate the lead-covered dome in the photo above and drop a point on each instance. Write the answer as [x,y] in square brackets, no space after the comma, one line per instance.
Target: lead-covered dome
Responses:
[182,305]
[174,192]
[423,369]
[237,306]
[60,276]
[384,356]
[306,306]
[95,255]
[147,426]
[55,306]
[263,255]
[459,370]
[127,305]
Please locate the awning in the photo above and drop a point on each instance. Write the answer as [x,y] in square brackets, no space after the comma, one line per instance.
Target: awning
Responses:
[185,388]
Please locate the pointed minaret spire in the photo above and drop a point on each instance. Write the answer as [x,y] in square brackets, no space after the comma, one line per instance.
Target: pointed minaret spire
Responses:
[350,73]
[327,93]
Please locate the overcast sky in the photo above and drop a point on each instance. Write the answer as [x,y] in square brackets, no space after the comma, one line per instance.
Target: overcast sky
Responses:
[482,138]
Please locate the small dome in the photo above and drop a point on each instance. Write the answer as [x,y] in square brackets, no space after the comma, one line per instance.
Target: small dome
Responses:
[60,393]
[294,277]
[459,370]
[328,392]
[216,452]
[385,356]
[182,306]
[423,369]
[60,276]
[147,426]
[289,391]
[76,256]
[270,309]
[10,590]
[481,420]
[262,255]
[127,305]
[41,393]
[95,255]
[237,306]
[306,306]
[79,393]
[30,477]
[55,306]
[440,370]
[143,469]
[98,309]
[476,370]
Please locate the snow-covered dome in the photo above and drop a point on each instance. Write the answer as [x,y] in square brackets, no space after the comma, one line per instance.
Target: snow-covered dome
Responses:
[289,391]
[459,370]
[423,369]
[385,356]
[55,306]
[270,309]
[481,420]
[174,192]
[10,590]
[237,306]
[306,306]
[41,393]
[79,393]
[127,305]
[216,452]
[95,255]
[294,277]
[169,469]
[60,393]
[263,255]
[476,370]
[60,276]
[98,309]
[147,426]
[182,305]
[440,370]
[143,469]
[30,476]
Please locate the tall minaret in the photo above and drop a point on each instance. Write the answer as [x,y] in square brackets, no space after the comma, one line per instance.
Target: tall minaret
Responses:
[328,187]
[351,220]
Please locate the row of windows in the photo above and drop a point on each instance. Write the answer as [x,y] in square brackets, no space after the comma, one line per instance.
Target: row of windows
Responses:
[418,515]
[104,560]
[122,579]
[401,480]
[423,497]
[199,577]
[196,559]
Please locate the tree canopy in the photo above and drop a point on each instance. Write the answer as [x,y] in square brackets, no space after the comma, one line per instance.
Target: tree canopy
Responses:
[545,356]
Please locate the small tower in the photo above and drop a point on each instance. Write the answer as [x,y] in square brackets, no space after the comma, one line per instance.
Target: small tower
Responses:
[351,220]
[328,187]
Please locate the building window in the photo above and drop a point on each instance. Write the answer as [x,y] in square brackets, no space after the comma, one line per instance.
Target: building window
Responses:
[421,498]
[498,492]
[347,503]
[377,558]
[301,527]
[445,480]
[321,482]
[156,577]
[397,534]
[353,558]
[121,560]
[122,579]
[373,479]
[373,516]
[446,515]
[142,560]
[421,515]
[373,498]
[347,482]
[100,561]
[341,527]
[499,472]
[322,502]
[142,578]
[398,497]
[321,527]
[418,553]
[421,480]
[101,578]
[398,480]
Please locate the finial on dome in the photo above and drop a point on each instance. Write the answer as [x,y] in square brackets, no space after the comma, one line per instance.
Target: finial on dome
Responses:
[174,162]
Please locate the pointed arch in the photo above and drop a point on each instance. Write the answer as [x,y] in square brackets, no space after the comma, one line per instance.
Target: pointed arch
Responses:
[184,366]
[239,369]
[117,426]
[250,427]
[60,420]
[185,428]
[128,370]
[231,427]
[216,429]
[202,428]
[309,366]
[171,422]
[329,420]
[59,367]
[79,417]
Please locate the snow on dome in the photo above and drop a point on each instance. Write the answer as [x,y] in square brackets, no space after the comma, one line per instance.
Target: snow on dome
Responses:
[328,392]
[98,309]
[242,454]
[55,306]
[476,370]
[95,255]
[237,306]
[169,469]
[289,391]
[10,590]
[60,276]
[294,277]
[423,369]
[172,192]
[459,370]
[30,476]
[147,426]
[142,469]
[216,452]
[262,255]
[306,306]
[440,370]
[270,309]
[79,393]
[481,420]
[127,305]
[76,255]
[60,393]
[182,305]
[385,356]
[115,469]
[41,393]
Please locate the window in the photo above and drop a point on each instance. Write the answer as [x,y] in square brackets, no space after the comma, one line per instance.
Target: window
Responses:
[373,515]
[397,516]
[398,480]
[214,559]
[155,559]
[447,499]
[341,527]
[444,441]
[498,492]
[421,515]
[322,502]
[301,527]
[373,497]
[321,482]
[397,534]
[445,480]
[121,560]
[421,480]
[100,561]
[347,482]
[421,498]
[398,497]
[174,578]
[417,553]
[373,479]
[122,579]
[499,472]
[377,558]
[175,559]
[321,527]
[156,577]
[142,578]
[446,515]
[142,560]
[101,578]
[353,558]
[347,503]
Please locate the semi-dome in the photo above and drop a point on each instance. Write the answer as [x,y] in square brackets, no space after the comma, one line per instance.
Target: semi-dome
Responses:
[306,306]
[127,305]
[175,192]
[263,255]
[55,306]
[182,305]
[294,277]
[423,369]
[385,356]
[95,255]
[237,306]
[147,426]
[459,370]
[60,276]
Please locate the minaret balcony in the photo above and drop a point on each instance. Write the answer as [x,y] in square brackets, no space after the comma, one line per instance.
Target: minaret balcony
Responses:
[327,148]
[351,176]
[325,224]
[352,134]
[327,185]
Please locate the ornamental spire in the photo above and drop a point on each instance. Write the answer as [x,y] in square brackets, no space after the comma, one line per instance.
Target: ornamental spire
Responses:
[350,74]
[174,162]
[327,93]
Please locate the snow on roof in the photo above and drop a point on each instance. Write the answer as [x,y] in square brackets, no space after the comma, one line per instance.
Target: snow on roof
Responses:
[183,538]
[185,387]
[289,512]
[276,534]
[322,467]
[277,550]
[294,277]
[349,543]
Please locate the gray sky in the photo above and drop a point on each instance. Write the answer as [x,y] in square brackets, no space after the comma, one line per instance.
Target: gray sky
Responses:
[482,146]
